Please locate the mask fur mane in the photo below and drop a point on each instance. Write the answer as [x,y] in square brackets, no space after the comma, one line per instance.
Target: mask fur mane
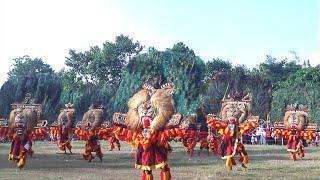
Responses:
[302,117]
[162,102]
[27,113]
[66,114]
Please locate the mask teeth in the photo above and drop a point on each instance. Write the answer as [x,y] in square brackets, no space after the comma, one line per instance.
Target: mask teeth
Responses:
[167,86]
[148,87]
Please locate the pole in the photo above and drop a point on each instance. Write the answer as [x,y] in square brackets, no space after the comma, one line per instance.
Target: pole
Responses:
[225,93]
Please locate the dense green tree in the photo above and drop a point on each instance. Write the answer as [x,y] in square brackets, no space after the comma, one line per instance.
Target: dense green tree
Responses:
[26,65]
[241,80]
[217,65]
[302,87]
[45,89]
[112,73]
[277,71]
[103,65]
[178,65]
[35,77]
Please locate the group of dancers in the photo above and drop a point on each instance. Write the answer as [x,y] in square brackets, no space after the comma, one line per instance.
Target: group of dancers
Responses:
[149,125]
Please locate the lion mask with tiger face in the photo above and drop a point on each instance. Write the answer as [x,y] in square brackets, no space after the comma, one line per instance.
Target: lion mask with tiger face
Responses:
[150,108]
[295,119]
[66,117]
[235,109]
[23,119]
[93,118]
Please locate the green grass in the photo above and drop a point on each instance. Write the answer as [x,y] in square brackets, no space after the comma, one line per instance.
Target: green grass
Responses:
[266,162]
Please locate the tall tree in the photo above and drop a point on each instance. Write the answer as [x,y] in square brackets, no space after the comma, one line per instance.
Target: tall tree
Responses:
[104,65]
[217,65]
[25,65]
[34,77]
[178,65]
[277,71]
[239,79]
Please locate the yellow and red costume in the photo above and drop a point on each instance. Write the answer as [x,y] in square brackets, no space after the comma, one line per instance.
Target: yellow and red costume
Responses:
[294,139]
[295,128]
[230,144]
[23,128]
[61,130]
[149,124]
[213,142]
[190,138]
[91,129]
[64,140]
[152,150]
[61,136]
[203,138]
[233,121]
[114,142]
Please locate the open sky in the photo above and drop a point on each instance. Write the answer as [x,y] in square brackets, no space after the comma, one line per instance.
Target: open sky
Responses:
[241,31]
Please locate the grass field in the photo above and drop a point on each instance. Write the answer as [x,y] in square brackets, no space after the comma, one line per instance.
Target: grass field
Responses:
[266,162]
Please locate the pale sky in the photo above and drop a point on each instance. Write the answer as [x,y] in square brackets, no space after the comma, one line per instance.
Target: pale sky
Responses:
[241,31]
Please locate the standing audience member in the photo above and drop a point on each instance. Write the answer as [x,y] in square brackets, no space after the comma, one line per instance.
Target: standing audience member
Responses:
[268,136]
[253,138]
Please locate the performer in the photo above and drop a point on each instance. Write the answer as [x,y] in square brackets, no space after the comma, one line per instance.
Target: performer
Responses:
[189,129]
[203,138]
[22,128]
[92,145]
[90,130]
[295,128]
[214,142]
[234,120]
[150,123]
[62,129]
[113,142]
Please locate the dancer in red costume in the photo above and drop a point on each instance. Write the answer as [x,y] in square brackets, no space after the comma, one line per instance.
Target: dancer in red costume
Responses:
[190,134]
[22,128]
[234,120]
[203,138]
[214,142]
[62,129]
[92,129]
[150,123]
[296,126]
[113,142]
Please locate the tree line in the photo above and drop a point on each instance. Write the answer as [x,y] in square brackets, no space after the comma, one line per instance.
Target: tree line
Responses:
[110,74]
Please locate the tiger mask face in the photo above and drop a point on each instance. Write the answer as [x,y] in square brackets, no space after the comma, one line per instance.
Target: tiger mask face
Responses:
[66,117]
[295,119]
[93,118]
[238,110]
[150,109]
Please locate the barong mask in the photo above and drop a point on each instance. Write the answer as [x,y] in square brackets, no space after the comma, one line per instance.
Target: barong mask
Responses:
[235,109]
[24,117]
[66,117]
[92,119]
[295,119]
[150,109]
